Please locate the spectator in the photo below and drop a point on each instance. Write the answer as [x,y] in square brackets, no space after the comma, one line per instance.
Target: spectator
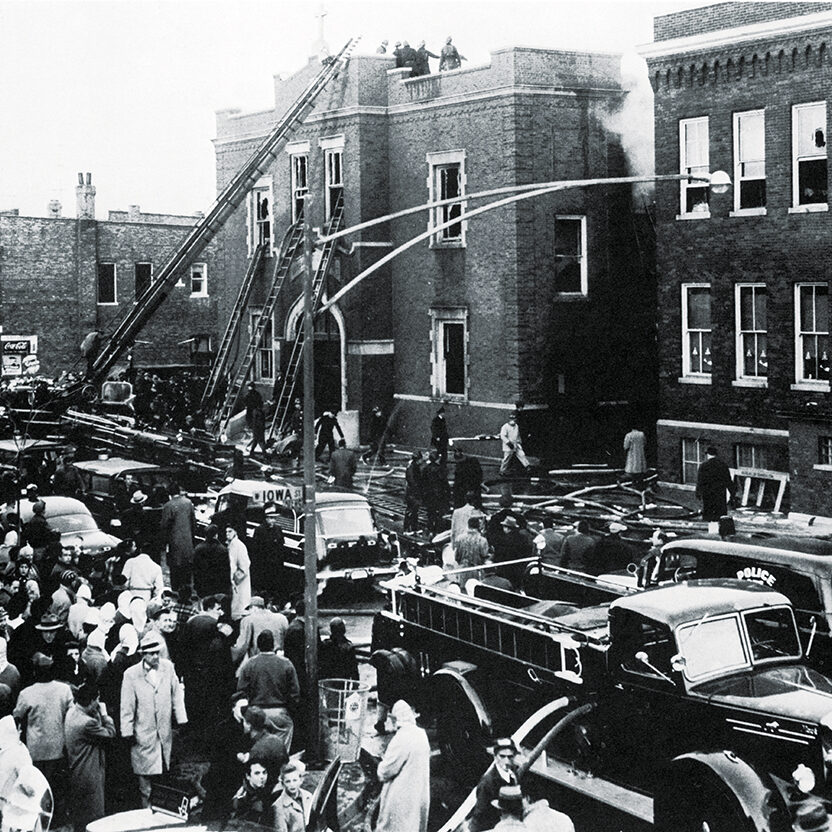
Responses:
[449,57]
[579,549]
[538,816]
[382,49]
[422,65]
[461,516]
[471,549]
[184,608]
[137,522]
[549,542]
[397,52]
[211,566]
[240,566]
[267,554]
[257,621]
[13,753]
[252,802]
[78,611]
[9,674]
[151,696]
[342,465]
[178,523]
[291,809]
[336,659]
[408,57]
[510,806]
[511,545]
[144,577]
[266,744]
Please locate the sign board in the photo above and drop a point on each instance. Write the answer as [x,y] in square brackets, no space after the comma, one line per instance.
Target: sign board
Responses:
[19,354]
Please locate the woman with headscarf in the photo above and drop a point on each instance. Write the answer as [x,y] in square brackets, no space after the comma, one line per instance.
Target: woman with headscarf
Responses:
[10,542]
[405,772]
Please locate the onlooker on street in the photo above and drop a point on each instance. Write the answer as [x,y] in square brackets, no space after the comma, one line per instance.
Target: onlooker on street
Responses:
[266,744]
[514,543]
[267,551]
[510,806]
[538,816]
[714,486]
[461,516]
[578,550]
[336,659]
[449,57]
[144,577]
[240,566]
[549,542]
[342,465]
[258,620]
[252,802]
[291,810]
[635,444]
[211,565]
[178,524]
[471,548]
[408,57]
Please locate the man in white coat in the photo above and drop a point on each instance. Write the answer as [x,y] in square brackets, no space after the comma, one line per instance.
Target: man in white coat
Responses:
[240,574]
[512,444]
[151,696]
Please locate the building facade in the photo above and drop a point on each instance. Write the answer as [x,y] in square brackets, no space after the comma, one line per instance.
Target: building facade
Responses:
[63,277]
[547,301]
[743,281]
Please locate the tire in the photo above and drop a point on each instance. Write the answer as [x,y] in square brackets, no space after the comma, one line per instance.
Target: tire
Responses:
[702,808]
[462,739]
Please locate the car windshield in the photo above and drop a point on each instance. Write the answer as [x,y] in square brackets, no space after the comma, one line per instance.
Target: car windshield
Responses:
[346,521]
[65,523]
[712,646]
[772,633]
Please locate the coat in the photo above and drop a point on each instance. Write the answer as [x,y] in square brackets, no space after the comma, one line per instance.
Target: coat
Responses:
[342,466]
[86,737]
[211,569]
[634,444]
[405,772]
[178,523]
[240,592]
[147,715]
[289,816]
[713,482]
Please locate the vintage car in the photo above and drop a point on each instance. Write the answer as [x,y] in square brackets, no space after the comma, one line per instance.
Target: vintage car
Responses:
[31,460]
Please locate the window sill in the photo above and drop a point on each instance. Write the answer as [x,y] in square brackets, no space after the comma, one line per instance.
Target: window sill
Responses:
[447,244]
[748,212]
[812,386]
[750,382]
[694,379]
[108,303]
[196,297]
[822,467]
[698,215]
[449,398]
[811,208]
[571,296]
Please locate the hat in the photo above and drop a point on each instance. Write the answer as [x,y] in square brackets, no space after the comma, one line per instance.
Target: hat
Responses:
[68,576]
[510,522]
[41,660]
[256,601]
[503,743]
[270,510]
[138,497]
[151,643]
[31,487]
[84,591]
[48,622]
[510,799]
[711,450]
[617,527]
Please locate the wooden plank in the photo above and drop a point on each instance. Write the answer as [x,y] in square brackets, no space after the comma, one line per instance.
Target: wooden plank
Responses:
[760,492]
[780,492]
[746,491]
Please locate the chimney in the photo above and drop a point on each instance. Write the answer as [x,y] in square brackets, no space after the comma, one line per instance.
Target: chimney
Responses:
[134,213]
[85,197]
[53,210]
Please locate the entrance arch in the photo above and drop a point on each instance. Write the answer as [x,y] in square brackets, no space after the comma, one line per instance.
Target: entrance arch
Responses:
[330,353]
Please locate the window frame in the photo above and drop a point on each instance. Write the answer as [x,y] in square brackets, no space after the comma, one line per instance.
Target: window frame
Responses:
[136,264]
[191,269]
[701,447]
[739,332]
[332,150]
[825,451]
[739,178]
[437,162]
[254,317]
[114,301]
[439,317]
[759,453]
[297,193]
[583,258]
[264,185]
[685,169]
[797,205]
[687,373]
[800,380]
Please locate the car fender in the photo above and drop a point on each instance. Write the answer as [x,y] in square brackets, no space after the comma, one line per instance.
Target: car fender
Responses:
[725,770]
[458,673]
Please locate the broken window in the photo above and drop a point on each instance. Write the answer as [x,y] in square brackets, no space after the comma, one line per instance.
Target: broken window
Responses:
[334,178]
[447,182]
[749,160]
[752,356]
[570,255]
[144,274]
[809,147]
[694,158]
[199,280]
[450,360]
[265,351]
[262,217]
[812,324]
[696,326]
[107,283]
[300,183]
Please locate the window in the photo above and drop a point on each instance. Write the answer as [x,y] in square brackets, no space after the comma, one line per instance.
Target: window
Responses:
[749,160]
[570,256]
[300,183]
[809,154]
[825,450]
[264,368]
[107,284]
[696,330]
[199,280]
[447,181]
[752,358]
[144,274]
[262,212]
[694,161]
[334,178]
[693,454]
[812,332]
[450,352]
[200,346]
[751,456]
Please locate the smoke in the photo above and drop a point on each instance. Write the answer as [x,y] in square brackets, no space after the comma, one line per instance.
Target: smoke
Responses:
[633,122]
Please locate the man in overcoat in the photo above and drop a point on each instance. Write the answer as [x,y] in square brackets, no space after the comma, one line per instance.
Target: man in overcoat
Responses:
[178,524]
[713,485]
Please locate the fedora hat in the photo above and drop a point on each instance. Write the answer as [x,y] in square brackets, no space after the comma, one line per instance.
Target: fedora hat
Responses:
[510,523]
[139,497]
[48,622]
[510,799]
[151,643]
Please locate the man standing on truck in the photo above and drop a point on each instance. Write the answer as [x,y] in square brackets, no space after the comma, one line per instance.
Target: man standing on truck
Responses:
[714,486]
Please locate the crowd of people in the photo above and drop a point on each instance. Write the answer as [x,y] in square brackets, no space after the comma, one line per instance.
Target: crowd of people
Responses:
[172,403]
[418,60]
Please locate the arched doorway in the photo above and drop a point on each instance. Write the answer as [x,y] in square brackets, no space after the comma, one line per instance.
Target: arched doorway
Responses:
[330,355]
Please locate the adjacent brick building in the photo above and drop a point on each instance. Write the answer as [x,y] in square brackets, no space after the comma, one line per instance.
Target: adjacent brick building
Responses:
[62,277]
[743,278]
[547,301]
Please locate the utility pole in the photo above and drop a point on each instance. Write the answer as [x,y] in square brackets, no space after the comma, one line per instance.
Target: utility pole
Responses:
[310,553]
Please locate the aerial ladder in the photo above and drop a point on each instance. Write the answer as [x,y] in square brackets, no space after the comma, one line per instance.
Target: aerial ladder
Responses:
[292,243]
[231,330]
[207,227]
[283,402]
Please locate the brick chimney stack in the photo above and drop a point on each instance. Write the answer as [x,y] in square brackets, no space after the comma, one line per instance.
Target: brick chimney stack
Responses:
[134,213]
[85,197]
[54,209]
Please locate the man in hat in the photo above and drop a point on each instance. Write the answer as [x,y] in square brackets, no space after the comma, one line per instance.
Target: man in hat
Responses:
[88,730]
[259,619]
[471,548]
[178,522]
[151,697]
[714,486]
[336,659]
[342,465]
[137,522]
[144,577]
[548,541]
[439,438]
[612,552]
[512,544]
[502,773]
[37,533]
[412,492]
[578,550]
[509,804]
[512,445]
[494,529]
[267,553]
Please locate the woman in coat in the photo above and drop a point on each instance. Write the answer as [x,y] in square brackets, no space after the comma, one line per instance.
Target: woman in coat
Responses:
[405,772]
[240,574]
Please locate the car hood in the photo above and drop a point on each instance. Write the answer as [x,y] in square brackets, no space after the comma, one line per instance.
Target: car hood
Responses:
[95,540]
[792,691]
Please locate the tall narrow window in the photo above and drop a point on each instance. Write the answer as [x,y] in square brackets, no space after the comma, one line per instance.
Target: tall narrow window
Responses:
[265,353]
[107,284]
[825,450]
[262,217]
[300,183]
[812,332]
[696,330]
[570,256]
[693,454]
[752,355]
[694,161]
[749,160]
[450,352]
[144,274]
[809,175]
[199,280]
[334,178]
[447,182]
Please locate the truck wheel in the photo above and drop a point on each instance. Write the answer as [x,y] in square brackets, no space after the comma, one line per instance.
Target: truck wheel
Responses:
[462,739]
[705,808]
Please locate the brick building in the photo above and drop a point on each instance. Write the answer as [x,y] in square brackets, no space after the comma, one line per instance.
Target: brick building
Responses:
[743,278]
[62,277]
[546,301]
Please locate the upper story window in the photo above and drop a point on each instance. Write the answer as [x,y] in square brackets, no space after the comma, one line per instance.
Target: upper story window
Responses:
[300,182]
[570,256]
[144,276]
[265,362]
[447,181]
[262,216]
[694,161]
[749,160]
[812,332]
[751,306]
[199,280]
[809,173]
[107,295]
[449,334]
[333,171]
[696,330]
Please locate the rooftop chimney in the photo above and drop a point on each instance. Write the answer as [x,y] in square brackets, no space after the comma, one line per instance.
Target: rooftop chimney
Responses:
[134,213]
[54,208]
[85,197]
